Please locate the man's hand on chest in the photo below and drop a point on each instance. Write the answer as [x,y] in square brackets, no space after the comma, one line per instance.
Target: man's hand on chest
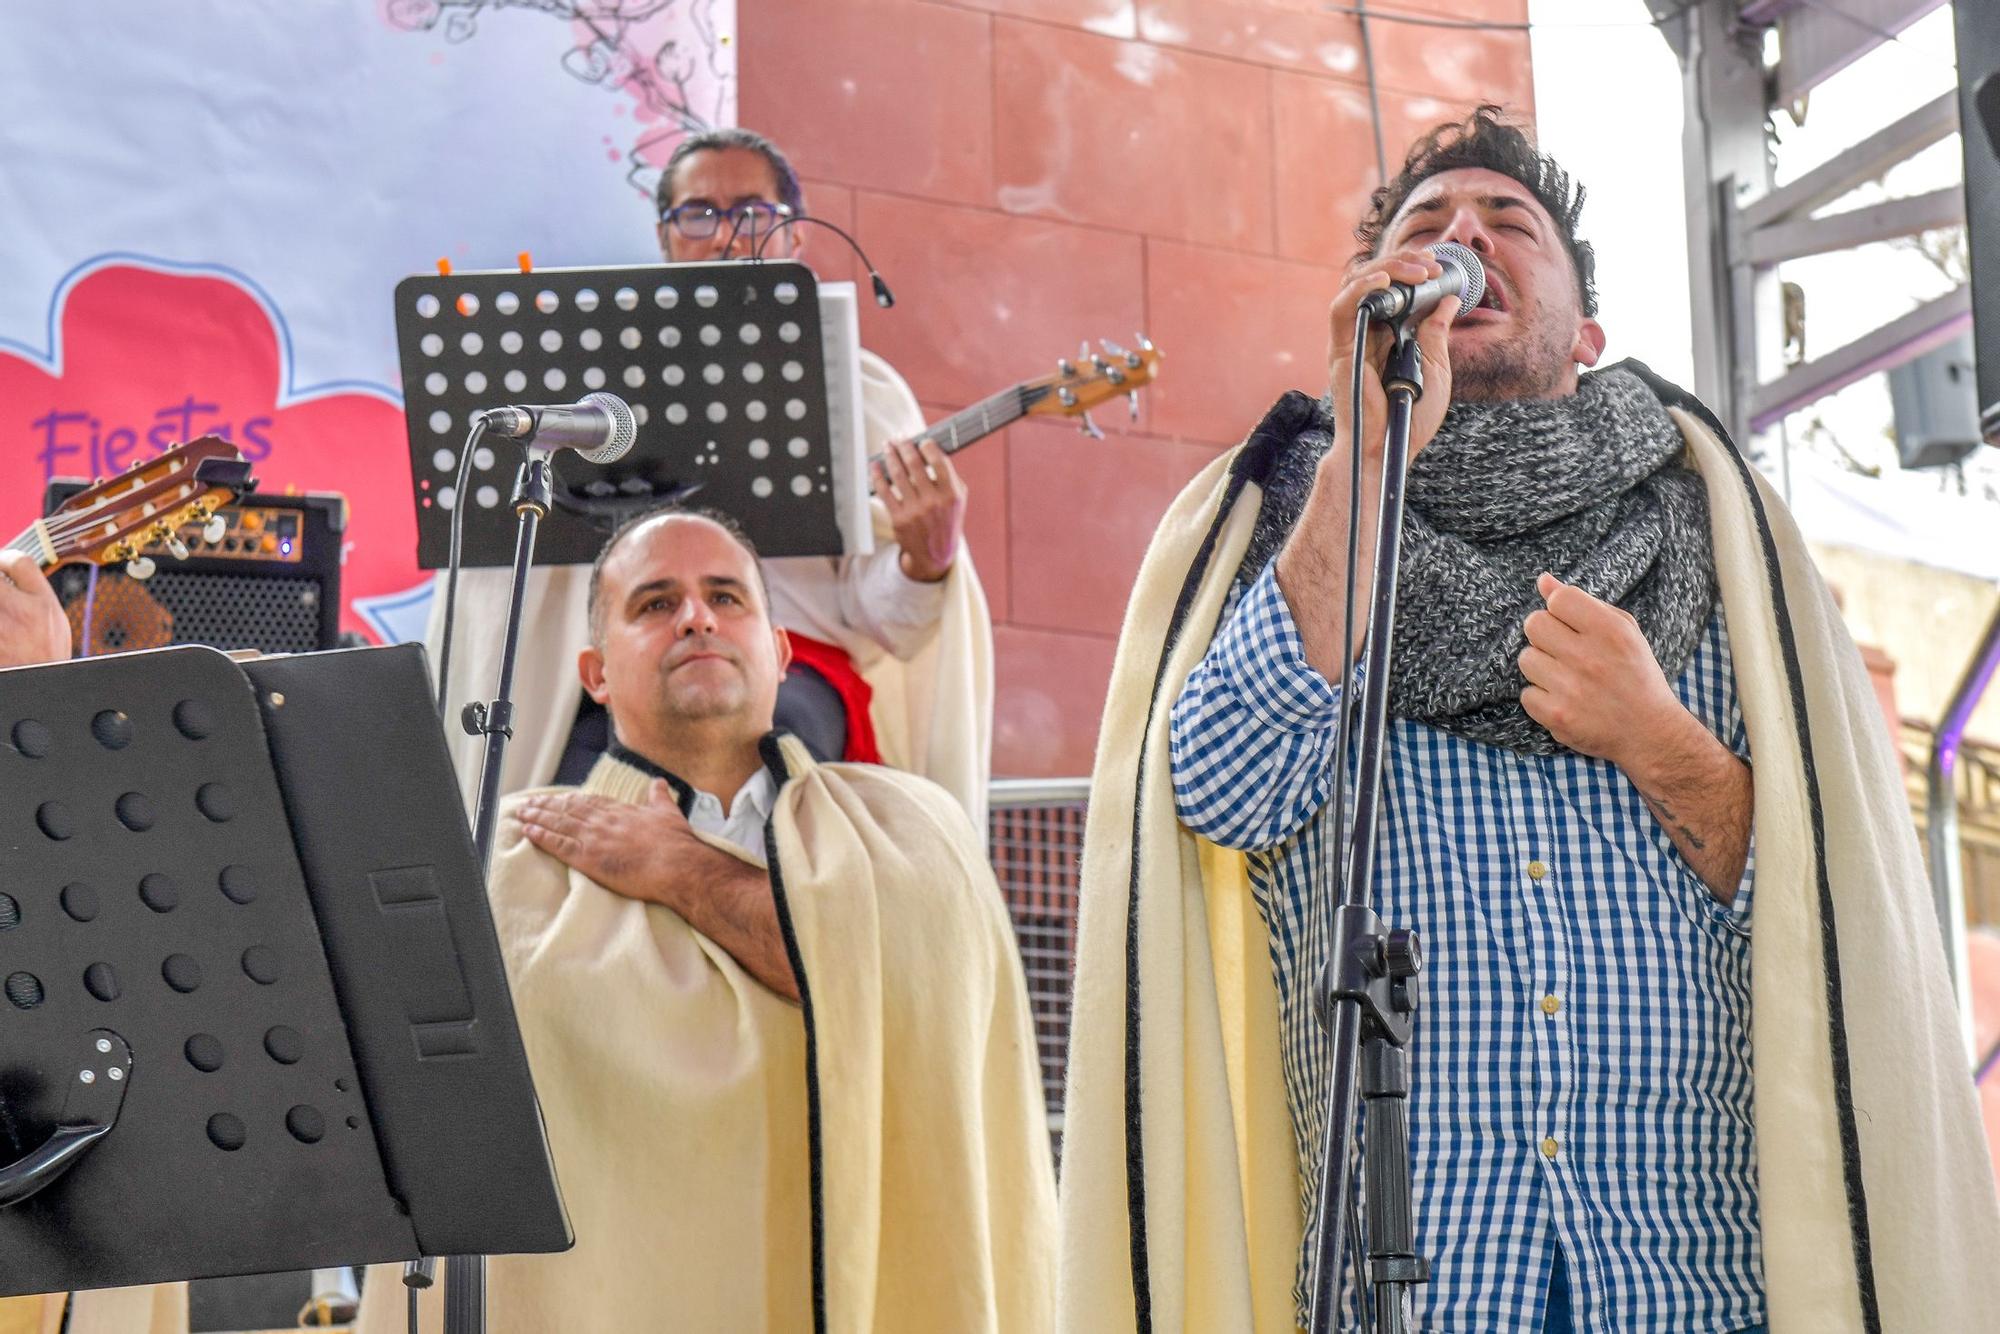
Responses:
[1594,683]
[648,851]
[644,850]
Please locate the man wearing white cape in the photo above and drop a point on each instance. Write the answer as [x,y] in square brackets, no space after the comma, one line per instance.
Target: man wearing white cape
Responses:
[773,1007]
[1612,652]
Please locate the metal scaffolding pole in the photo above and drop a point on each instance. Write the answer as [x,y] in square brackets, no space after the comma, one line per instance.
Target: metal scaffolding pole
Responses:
[1740,229]
[1941,797]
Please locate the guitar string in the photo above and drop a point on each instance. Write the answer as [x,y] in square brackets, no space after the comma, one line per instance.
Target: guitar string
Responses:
[66,524]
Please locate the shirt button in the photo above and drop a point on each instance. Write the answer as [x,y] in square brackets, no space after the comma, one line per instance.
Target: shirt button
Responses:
[1550,1005]
[1549,1147]
[1537,869]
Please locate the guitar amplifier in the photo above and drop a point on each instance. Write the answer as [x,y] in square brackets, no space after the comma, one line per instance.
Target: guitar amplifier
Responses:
[268,580]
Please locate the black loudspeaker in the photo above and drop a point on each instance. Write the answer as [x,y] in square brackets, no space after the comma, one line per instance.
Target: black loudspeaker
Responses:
[269,580]
[1937,412]
[1978,31]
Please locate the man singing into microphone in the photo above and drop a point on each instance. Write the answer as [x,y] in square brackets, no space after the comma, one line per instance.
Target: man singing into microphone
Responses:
[1612,662]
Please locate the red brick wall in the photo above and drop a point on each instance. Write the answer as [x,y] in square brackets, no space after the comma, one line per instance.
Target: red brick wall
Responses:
[1026,173]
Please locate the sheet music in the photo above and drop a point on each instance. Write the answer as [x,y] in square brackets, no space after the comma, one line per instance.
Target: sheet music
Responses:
[840,339]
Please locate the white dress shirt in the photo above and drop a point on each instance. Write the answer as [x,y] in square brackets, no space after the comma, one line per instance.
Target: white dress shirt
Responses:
[743,825]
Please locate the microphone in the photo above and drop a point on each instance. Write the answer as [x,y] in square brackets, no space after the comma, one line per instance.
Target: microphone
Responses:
[600,427]
[1463,280]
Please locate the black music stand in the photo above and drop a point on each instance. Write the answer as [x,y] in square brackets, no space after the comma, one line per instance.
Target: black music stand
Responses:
[253,1015]
[724,366]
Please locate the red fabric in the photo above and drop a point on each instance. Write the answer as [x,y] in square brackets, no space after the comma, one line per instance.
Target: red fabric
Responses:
[855,694]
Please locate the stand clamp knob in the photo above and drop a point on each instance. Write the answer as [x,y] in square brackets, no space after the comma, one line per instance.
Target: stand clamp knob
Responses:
[480,719]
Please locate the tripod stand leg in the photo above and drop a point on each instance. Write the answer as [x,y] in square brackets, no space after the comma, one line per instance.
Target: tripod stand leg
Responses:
[1393,1264]
[465,1294]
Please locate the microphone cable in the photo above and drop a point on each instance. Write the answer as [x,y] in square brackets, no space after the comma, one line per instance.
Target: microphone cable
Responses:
[883,297]
[1333,816]
[471,447]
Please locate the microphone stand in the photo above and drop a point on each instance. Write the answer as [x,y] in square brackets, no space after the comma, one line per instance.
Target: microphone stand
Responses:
[534,494]
[1369,990]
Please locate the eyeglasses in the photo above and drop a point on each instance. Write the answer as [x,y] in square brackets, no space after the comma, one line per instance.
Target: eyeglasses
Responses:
[698,220]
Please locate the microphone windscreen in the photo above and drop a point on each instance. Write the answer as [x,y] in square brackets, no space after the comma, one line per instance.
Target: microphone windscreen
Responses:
[624,429]
[1474,290]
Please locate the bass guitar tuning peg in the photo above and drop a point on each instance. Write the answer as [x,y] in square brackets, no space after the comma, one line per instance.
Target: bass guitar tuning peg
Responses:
[1091,428]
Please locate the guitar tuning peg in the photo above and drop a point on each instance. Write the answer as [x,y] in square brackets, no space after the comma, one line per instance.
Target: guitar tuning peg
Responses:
[215,530]
[1065,367]
[1132,400]
[176,546]
[140,567]
[1066,396]
[1091,428]
[1145,343]
[1111,348]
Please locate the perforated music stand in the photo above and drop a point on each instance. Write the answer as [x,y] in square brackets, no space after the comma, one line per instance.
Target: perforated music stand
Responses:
[725,366]
[254,1015]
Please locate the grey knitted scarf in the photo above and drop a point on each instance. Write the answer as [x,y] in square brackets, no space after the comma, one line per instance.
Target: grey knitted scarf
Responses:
[1589,487]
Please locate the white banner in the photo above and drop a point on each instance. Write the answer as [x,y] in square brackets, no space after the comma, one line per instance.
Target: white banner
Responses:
[207,203]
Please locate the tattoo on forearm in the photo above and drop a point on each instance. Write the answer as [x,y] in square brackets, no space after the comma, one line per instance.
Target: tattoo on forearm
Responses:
[1667,817]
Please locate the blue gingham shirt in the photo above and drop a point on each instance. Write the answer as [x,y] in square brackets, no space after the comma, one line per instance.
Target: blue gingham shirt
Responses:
[1582,1071]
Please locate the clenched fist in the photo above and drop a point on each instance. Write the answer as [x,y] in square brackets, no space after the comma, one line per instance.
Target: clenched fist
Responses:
[1593,680]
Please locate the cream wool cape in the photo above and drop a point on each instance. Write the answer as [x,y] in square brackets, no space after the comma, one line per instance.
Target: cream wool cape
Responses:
[933,712]
[1180,1196]
[876,1159]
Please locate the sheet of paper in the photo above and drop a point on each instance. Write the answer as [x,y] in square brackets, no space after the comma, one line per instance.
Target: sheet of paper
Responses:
[840,340]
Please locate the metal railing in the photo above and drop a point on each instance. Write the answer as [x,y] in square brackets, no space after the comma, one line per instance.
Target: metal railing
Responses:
[1035,839]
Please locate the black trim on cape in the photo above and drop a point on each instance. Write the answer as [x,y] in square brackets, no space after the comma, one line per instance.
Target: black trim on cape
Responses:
[683,790]
[1253,463]
[1843,1079]
[773,756]
[1292,414]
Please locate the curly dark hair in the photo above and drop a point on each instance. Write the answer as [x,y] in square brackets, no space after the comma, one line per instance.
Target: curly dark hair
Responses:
[1485,139]
[727,523]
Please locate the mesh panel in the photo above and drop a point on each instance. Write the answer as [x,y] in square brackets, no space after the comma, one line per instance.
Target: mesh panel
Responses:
[277,614]
[1037,852]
